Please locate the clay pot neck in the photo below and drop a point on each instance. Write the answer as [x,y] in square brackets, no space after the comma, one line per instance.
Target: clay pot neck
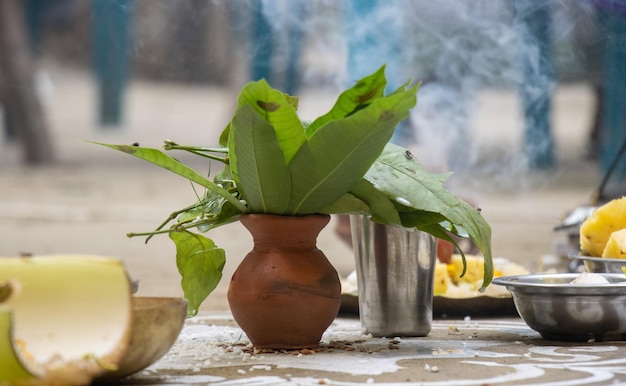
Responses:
[269,230]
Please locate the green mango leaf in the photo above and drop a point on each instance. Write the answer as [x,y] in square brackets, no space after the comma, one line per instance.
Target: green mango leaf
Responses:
[435,230]
[204,215]
[200,263]
[338,154]
[157,157]
[346,204]
[397,174]
[279,111]
[416,218]
[225,135]
[359,95]
[381,208]
[227,214]
[257,163]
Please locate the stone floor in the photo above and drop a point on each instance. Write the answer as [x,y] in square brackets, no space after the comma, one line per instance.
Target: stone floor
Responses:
[503,351]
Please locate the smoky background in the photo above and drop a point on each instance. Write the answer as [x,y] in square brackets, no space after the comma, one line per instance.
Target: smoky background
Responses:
[459,50]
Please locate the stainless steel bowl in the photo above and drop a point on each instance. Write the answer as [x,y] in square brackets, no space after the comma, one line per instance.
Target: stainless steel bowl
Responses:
[600,264]
[559,310]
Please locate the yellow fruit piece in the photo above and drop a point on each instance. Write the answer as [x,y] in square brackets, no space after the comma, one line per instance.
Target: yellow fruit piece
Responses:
[474,271]
[450,284]
[597,228]
[441,280]
[616,246]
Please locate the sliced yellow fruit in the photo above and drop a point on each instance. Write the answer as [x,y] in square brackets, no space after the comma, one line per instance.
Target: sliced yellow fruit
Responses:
[597,228]
[441,280]
[68,317]
[474,268]
[616,245]
[455,286]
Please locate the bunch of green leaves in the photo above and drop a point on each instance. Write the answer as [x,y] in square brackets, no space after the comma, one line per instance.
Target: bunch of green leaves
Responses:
[283,167]
[342,162]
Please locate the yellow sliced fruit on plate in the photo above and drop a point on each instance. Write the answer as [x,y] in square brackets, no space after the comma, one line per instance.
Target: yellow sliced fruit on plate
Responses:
[474,268]
[449,283]
[441,280]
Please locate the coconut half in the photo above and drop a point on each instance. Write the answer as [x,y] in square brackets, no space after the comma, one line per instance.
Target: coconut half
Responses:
[64,319]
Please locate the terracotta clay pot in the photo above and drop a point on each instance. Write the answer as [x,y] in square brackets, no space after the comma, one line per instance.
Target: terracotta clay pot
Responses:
[285,293]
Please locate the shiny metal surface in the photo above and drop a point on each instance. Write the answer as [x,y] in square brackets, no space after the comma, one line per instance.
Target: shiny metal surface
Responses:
[395,269]
[559,310]
[600,264]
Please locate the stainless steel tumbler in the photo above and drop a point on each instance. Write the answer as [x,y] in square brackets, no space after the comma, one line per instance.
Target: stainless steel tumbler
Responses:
[395,269]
